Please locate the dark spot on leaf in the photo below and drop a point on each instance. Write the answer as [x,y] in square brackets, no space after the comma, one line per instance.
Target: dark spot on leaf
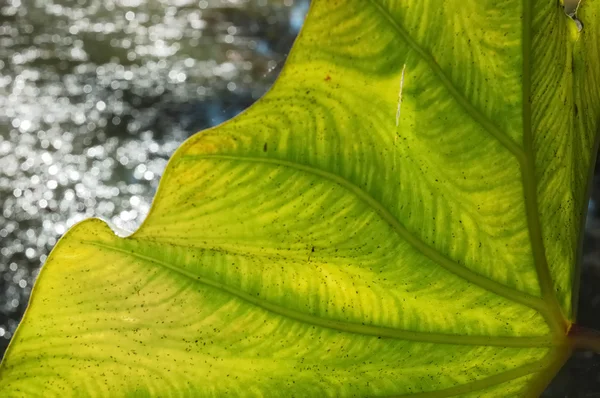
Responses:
[265,147]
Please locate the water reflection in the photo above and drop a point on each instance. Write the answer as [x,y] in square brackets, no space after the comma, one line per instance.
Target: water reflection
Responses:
[95,95]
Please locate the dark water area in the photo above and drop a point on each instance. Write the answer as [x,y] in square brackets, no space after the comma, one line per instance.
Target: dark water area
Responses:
[95,95]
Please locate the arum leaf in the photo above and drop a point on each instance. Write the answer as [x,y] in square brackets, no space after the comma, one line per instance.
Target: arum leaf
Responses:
[398,216]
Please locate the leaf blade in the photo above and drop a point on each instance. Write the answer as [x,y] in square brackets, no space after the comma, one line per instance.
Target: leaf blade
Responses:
[133,338]
[301,241]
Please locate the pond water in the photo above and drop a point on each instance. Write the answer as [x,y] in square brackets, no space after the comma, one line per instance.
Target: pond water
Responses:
[95,95]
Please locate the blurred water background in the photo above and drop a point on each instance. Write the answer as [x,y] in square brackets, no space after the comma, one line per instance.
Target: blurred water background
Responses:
[95,95]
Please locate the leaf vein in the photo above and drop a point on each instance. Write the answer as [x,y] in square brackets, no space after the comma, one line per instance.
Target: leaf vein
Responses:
[448,264]
[555,319]
[344,326]
[479,117]
[490,381]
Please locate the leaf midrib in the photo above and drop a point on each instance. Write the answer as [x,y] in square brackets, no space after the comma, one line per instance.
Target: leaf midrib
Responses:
[343,326]
[524,156]
[556,321]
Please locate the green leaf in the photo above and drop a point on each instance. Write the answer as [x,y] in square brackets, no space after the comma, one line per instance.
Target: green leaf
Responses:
[400,215]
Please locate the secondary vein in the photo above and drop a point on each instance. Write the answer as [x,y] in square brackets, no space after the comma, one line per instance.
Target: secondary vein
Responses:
[490,127]
[349,327]
[450,265]
[490,381]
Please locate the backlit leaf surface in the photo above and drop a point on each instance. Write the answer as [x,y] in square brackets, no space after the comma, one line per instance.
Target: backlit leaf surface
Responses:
[399,216]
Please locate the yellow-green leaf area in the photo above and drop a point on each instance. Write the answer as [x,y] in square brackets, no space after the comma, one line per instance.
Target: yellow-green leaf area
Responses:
[399,216]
